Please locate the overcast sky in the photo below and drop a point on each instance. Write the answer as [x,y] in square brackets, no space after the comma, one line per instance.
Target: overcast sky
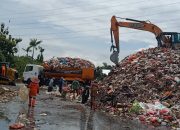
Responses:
[80,28]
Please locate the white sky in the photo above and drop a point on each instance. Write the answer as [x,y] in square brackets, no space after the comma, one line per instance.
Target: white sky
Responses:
[80,28]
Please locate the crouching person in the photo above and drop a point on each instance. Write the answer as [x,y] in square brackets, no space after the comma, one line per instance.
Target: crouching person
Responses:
[33,91]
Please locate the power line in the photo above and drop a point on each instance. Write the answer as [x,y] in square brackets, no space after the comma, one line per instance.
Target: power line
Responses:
[111,13]
[70,32]
[127,3]
[89,23]
[101,8]
[65,32]
[72,37]
[173,20]
[96,30]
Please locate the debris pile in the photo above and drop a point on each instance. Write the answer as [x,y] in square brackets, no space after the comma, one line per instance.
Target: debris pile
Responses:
[150,77]
[66,62]
[6,94]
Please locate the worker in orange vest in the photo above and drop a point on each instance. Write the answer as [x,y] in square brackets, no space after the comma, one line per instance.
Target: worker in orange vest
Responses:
[34,90]
[3,70]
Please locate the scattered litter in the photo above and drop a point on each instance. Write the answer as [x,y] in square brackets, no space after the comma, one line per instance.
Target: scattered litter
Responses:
[23,93]
[66,62]
[17,126]
[43,114]
[6,89]
[149,77]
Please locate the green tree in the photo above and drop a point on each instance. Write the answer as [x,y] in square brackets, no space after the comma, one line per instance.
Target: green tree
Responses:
[21,62]
[8,44]
[27,50]
[106,66]
[33,44]
[99,71]
[2,57]
[40,56]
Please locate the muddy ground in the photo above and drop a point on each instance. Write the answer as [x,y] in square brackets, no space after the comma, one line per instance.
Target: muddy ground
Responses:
[54,113]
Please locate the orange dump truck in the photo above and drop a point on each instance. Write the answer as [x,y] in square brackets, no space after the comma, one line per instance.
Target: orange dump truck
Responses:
[68,68]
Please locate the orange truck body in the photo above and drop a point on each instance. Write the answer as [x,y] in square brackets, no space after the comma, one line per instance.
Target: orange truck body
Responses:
[71,74]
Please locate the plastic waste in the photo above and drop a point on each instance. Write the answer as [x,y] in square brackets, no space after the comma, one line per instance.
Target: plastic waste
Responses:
[136,108]
[23,93]
[16,126]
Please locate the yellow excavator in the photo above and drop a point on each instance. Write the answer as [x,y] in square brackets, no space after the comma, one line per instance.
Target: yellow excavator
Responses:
[164,39]
[8,75]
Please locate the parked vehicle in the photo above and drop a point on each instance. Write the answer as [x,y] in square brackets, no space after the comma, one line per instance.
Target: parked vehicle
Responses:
[8,75]
[69,74]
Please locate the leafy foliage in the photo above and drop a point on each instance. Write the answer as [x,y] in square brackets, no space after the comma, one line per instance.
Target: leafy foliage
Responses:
[99,71]
[8,45]
[40,57]
[2,57]
[8,49]
[22,61]
[33,44]
[27,50]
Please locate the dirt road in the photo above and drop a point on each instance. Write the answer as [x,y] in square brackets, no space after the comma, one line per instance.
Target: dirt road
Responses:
[53,113]
[50,113]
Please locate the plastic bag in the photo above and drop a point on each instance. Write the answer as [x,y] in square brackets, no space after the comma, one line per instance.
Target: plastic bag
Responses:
[136,108]
[23,93]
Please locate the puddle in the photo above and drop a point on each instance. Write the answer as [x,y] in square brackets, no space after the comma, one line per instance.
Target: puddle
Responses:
[10,112]
[54,117]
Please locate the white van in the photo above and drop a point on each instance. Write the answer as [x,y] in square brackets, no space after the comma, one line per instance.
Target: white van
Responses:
[31,70]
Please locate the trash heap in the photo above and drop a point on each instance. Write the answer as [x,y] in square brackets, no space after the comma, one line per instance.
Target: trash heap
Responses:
[6,94]
[66,62]
[144,85]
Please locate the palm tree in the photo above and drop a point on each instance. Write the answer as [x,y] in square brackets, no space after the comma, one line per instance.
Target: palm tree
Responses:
[33,43]
[27,50]
[40,56]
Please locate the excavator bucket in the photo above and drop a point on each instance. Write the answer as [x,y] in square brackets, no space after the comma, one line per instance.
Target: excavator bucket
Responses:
[115,57]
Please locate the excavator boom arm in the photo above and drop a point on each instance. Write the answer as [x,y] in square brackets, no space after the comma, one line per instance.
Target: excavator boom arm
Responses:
[164,39]
[133,24]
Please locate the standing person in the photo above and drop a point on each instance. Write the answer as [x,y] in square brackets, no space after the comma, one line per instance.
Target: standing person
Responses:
[3,70]
[65,90]
[94,90]
[85,93]
[34,90]
[60,84]
[51,84]
[75,88]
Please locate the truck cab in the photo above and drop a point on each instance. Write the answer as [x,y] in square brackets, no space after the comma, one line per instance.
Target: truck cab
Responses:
[31,70]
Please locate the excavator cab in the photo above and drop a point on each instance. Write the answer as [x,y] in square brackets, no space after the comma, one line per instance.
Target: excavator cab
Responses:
[174,39]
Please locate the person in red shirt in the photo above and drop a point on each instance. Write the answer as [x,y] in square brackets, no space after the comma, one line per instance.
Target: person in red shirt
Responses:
[34,90]
[3,70]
